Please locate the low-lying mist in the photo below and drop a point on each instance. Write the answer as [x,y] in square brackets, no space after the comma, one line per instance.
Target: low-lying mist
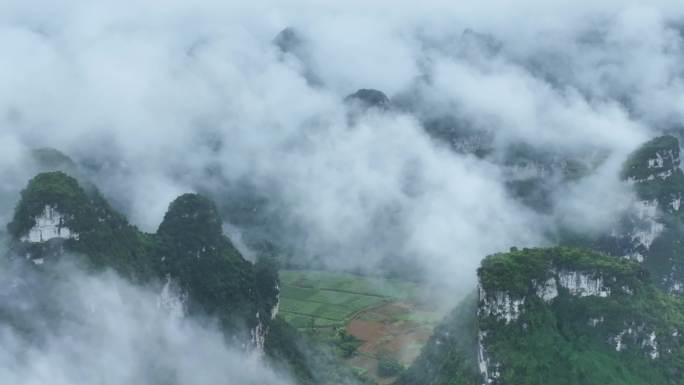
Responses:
[70,326]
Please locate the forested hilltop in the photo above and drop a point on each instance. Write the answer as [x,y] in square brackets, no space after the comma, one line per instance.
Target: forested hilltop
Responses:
[561,316]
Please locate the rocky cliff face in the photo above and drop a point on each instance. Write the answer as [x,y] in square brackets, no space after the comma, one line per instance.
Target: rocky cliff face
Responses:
[651,231]
[655,160]
[558,316]
[540,307]
[50,224]
[503,306]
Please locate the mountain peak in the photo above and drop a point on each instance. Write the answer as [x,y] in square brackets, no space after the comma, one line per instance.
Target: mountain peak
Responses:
[288,40]
[56,215]
[194,221]
[51,206]
[369,98]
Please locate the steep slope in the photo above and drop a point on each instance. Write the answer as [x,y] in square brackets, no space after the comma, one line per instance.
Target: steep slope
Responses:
[193,250]
[55,216]
[450,356]
[309,361]
[570,316]
[566,316]
[652,231]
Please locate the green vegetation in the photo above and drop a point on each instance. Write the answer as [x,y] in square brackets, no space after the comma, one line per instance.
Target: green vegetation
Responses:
[105,236]
[631,336]
[389,366]
[654,169]
[308,361]
[515,272]
[347,282]
[188,247]
[572,339]
[653,229]
[450,356]
[368,322]
[347,343]
[323,299]
[205,263]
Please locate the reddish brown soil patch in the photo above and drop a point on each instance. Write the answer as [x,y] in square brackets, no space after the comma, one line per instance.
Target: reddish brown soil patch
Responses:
[365,330]
[387,336]
[371,332]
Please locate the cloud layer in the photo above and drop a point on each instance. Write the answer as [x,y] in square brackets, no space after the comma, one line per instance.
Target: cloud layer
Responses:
[156,100]
[67,327]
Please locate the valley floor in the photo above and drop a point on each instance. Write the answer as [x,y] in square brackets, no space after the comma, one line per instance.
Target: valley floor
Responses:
[365,319]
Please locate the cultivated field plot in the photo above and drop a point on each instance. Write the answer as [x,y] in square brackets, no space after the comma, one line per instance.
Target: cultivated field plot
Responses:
[323,299]
[385,317]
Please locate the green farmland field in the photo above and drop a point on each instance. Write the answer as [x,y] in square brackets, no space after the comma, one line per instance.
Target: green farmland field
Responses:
[360,317]
[321,299]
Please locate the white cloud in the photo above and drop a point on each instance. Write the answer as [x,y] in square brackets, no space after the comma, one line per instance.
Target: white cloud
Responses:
[71,327]
[151,95]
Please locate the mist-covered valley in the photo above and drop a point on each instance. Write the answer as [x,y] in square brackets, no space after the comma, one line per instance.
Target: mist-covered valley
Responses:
[302,192]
